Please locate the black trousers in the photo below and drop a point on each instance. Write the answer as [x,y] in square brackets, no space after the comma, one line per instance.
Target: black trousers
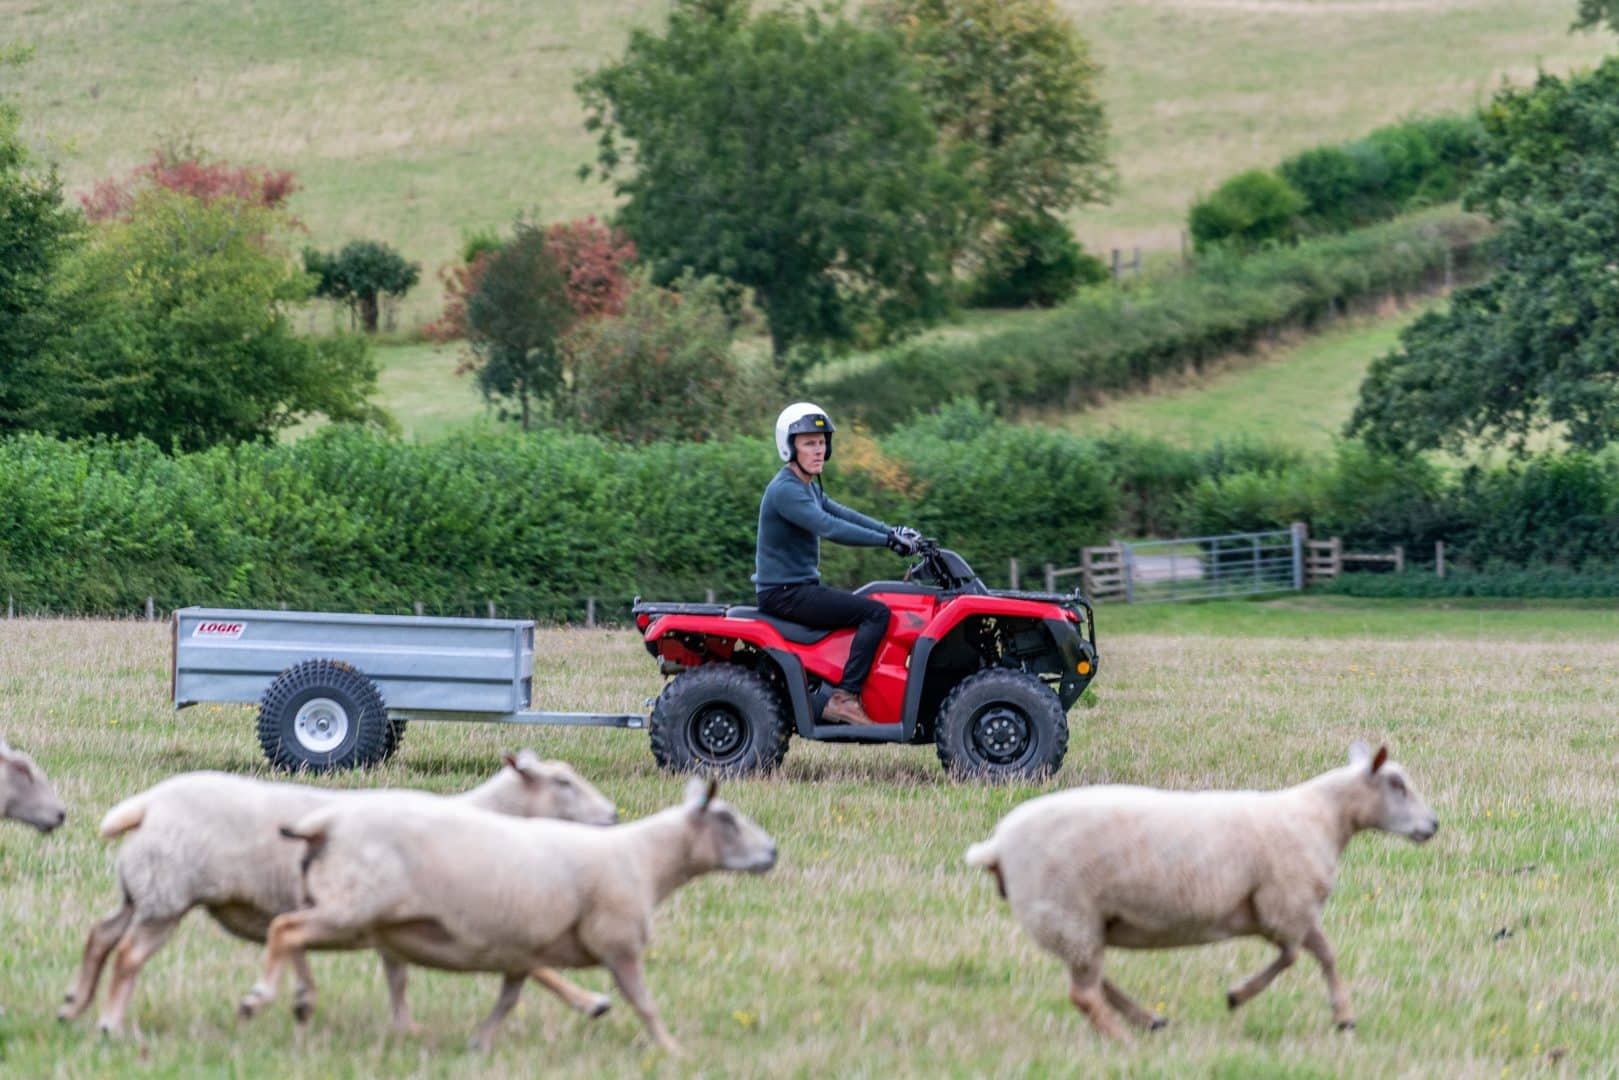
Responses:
[826,608]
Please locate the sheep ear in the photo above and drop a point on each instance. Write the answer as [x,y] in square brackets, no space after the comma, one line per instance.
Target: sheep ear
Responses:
[696,788]
[709,792]
[1381,756]
[1359,753]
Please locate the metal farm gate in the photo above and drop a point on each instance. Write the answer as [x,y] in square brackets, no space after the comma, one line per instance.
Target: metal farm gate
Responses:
[1203,567]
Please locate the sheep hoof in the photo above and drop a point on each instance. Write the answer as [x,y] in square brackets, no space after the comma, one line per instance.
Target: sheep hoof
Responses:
[1231,1001]
[1158,1024]
[246,1009]
[302,1011]
[1346,1025]
[599,1009]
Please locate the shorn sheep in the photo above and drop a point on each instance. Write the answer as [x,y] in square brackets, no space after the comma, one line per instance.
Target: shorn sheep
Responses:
[25,794]
[213,840]
[462,890]
[1137,868]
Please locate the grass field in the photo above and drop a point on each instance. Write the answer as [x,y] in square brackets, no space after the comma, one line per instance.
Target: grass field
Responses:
[415,122]
[1298,394]
[871,950]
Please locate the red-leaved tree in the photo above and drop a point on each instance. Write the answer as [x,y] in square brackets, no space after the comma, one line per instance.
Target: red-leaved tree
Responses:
[190,174]
[595,260]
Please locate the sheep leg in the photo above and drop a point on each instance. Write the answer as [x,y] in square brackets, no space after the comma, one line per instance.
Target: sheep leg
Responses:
[631,982]
[1316,942]
[1131,1010]
[396,972]
[98,946]
[1085,991]
[511,987]
[1247,991]
[577,997]
[289,936]
[136,947]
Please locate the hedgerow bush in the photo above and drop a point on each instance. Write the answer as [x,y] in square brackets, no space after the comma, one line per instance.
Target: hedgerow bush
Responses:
[1248,211]
[1105,340]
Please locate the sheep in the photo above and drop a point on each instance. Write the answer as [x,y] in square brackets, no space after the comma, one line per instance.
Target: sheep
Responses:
[459,889]
[25,794]
[211,839]
[1138,868]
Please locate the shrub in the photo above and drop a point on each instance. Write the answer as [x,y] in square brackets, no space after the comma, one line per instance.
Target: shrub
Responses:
[1250,210]
[188,171]
[1036,262]
[663,368]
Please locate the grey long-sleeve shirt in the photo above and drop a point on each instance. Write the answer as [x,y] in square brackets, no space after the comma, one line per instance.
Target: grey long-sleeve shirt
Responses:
[793,516]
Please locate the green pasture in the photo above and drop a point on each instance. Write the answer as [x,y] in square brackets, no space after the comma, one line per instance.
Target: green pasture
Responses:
[415,121]
[872,950]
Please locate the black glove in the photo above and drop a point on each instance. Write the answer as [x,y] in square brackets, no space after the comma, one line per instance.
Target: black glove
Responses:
[903,540]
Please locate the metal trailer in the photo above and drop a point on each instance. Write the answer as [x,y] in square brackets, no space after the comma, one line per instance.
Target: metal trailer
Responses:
[335,691]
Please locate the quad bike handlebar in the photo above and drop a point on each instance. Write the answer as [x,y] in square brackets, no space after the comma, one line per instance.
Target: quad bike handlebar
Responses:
[938,565]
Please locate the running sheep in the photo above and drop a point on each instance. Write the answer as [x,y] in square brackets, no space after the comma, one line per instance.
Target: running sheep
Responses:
[213,840]
[1138,868]
[25,794]
[462,890]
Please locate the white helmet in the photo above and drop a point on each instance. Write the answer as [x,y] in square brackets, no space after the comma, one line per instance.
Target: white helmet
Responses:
[802,418]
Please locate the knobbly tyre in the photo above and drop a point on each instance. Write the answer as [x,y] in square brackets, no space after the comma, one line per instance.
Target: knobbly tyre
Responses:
[987,675]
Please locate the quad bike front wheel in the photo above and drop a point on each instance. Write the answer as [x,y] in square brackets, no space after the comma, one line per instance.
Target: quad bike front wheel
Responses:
[719,718]
[1000,723]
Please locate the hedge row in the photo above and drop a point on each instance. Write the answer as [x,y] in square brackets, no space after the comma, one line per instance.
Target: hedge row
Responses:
[1107,341]
[1496,582]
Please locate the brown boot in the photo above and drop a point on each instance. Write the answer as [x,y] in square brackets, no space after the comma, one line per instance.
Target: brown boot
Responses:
[845,708]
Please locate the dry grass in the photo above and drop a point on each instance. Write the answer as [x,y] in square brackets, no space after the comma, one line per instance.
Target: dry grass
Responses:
[871,950]
[415,122]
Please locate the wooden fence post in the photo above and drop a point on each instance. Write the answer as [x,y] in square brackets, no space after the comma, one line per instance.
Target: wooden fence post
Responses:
[1337,555]
[11,607]
[491,609]
[590,613]
[1399,558]
[1051,577]
[1439,557]
[151,611]
[1012,572]
[418,606]
[709,595]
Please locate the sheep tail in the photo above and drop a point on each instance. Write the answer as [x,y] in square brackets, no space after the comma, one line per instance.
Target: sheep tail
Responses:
[311,830]
[125,816]
[985,855]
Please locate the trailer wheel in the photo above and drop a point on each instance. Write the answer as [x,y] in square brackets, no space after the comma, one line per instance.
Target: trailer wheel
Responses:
[719,718]
[323,715]
[1001,724]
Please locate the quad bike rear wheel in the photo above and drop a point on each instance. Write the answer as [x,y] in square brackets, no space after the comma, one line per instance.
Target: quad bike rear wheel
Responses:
[719,718]
[1000,723]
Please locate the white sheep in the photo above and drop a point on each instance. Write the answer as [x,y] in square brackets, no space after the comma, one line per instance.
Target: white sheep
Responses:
[459,889]
[25,794]
[1138,868]
[212,840]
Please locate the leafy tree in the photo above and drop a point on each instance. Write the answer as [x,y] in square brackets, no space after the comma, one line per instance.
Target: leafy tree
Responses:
[516,321]
[1538,342]
[1597,13]
[1036,262]
[359,275]
[663,369]
[36,233]
[1250,209]
[180,333]
[189,171]
[1012,87]
[789,152]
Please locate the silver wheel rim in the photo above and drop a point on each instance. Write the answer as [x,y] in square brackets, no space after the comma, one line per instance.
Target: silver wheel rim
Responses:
[321,725]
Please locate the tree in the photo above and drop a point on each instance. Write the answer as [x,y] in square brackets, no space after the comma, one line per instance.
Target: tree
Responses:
[1537,343]
[516,321]
[1249,210]
[1011,86]
[663,369]
[359,274]
[180,333]
[36,234]
[1597,13]
[789,152]
[189,171]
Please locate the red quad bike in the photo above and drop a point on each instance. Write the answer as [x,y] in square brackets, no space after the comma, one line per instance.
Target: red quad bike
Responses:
[986,675]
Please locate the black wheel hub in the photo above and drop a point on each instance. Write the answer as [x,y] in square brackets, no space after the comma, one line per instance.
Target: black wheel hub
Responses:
[717,733]
[1001,735]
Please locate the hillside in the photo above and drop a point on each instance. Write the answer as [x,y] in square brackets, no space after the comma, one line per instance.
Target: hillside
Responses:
[417,122]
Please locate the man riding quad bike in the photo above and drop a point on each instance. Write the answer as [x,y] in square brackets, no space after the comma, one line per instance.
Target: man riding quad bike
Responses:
[987,675]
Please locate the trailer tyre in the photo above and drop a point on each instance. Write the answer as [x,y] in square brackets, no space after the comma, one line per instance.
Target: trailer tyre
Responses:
[322,715]
[719,718]
[1001,724]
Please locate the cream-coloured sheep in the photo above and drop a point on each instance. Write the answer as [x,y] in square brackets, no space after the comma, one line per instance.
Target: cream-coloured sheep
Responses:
[463,890]
[25,794]
[213,840]
[1137,868]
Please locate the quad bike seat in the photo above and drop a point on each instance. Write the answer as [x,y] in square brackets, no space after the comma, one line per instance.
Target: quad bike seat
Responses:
[797,633]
